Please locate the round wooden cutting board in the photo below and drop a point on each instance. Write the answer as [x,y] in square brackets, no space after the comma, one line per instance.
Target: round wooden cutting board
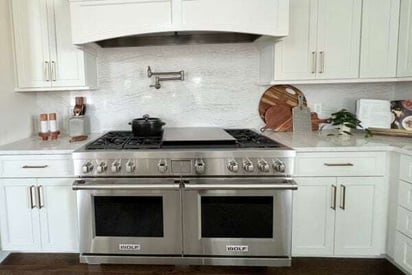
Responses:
[279,95]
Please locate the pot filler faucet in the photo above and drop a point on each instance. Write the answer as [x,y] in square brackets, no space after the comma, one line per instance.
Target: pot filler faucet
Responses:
[164,76]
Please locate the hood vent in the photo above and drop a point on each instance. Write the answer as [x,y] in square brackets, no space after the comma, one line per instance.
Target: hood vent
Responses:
[178,38]
[127,23]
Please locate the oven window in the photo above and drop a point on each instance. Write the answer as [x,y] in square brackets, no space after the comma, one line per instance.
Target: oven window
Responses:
[128,216]
[237,217]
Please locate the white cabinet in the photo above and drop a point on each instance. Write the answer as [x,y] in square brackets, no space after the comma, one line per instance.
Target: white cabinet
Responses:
[38,208]
[379,49]
[323,41]
[313,219]
[20,225]
[403,234]
[99,20]
[339,216]
[38,215]
[405,40]
[359,216]
[45,57]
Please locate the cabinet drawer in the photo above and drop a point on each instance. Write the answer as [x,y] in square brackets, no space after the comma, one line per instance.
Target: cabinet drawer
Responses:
[36,166]
[403,251]
[405,195]
[406,168]
[340,164]
[404,223]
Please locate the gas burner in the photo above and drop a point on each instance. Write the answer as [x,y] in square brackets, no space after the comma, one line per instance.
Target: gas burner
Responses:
[143,143]
[249,139]
[242,138]
[124,140]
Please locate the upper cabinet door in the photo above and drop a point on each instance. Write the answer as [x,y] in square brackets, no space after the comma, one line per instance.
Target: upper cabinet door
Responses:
[405,40]
[31,43]
[380,23]
[66,60]
[295,55]
[339,24]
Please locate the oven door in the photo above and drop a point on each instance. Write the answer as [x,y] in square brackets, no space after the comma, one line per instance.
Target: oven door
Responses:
[237,217]
[129,216]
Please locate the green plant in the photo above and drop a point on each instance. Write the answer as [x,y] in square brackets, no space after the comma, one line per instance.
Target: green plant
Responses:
[348,119]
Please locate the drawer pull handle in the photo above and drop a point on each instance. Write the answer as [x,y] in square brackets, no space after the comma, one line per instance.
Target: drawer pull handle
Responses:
[33,202]
[35,166]
[333,204]
[41,199]
[338,164]
[343,197]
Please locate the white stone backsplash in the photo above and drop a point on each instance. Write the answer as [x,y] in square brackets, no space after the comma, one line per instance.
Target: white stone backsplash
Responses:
[220,88]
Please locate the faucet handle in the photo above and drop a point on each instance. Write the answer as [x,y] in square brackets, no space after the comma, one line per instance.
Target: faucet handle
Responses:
[149,72]
[157,82]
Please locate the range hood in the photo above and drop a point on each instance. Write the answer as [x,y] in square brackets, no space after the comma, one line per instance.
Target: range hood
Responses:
[130,23]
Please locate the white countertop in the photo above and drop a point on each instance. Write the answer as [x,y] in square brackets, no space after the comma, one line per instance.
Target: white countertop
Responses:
[35,146]
[320,142]
[311,142]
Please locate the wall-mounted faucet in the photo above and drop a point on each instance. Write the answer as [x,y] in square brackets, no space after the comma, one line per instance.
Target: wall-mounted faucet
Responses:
[168,76]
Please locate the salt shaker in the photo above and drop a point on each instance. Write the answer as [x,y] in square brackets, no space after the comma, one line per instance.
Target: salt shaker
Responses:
[54,131]
[44,127]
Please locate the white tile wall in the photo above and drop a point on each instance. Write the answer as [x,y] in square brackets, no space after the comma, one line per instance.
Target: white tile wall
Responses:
[220,88]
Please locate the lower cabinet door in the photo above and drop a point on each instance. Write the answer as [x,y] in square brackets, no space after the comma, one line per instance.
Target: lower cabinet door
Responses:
[314,217]
[403,251]
[360,217]
[58,215]
[19,217]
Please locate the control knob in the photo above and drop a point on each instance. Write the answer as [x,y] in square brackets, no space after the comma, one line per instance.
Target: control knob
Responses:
[200,166]
[248,166]
[279,166]
[130,166]
[87,167]
[263,166]
[233,166]
[162,166]
[102,167]
[116,167]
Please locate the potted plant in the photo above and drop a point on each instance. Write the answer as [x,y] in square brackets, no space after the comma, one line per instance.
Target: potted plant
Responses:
[345,122]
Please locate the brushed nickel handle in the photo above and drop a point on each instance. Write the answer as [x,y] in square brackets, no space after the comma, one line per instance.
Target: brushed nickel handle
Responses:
[258,186]
[46,70]
[338,164]
[81,185]
[314,57]
[333,197]
[40,195]
[33,202]
[53,70]
[34,166]
[322,62]
[343,197]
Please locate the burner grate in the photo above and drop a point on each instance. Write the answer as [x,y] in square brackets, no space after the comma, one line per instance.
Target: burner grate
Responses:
[119,140]
[124,140]
[250,139]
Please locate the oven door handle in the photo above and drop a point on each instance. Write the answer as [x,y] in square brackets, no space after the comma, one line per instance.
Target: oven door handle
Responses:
[291,185]
[81,185]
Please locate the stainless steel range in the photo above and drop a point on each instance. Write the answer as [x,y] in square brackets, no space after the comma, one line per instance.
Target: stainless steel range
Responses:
[191,196]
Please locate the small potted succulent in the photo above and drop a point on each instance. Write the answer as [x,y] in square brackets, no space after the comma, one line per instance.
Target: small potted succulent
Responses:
[345,122]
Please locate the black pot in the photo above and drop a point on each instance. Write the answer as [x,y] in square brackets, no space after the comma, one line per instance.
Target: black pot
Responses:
[147,126]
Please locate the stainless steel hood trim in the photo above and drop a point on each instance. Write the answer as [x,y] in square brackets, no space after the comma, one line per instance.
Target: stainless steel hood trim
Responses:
[178,38]
[238,261]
